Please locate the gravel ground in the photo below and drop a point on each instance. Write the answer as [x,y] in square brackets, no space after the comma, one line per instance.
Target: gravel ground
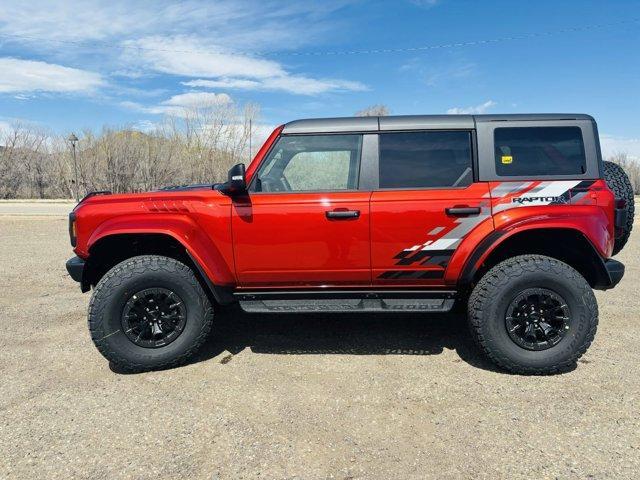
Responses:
[309,397]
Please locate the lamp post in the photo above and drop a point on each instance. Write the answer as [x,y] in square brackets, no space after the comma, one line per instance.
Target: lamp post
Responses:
[73,140]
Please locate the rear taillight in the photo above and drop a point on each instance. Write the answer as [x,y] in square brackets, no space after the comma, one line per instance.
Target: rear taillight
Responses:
[620,214]
[72,229]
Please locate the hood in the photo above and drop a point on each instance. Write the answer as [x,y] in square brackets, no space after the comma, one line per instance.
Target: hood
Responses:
[169,189]
[181,188]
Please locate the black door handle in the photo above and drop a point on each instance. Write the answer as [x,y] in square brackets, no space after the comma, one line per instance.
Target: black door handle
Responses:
[462,211]
[343,214]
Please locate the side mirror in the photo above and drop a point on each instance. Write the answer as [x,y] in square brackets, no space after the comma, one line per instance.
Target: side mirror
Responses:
[236,183]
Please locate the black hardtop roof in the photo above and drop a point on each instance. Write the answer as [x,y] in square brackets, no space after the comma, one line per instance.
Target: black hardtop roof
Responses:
[416,122]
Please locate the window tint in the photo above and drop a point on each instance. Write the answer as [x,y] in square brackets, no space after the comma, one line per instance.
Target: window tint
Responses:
[526,151]
[425,159]
[311,163]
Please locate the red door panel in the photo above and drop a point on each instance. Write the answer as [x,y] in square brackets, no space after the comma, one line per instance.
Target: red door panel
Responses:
[288,240]
[413,237]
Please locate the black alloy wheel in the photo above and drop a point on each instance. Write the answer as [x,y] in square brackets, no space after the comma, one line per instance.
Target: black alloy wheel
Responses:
[537,319]
[154,317]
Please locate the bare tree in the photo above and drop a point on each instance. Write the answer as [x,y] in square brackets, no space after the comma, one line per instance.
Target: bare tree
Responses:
[378,110]
[26,165]
[194,145]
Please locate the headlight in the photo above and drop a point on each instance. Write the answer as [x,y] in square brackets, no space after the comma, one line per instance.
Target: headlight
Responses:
[72,229]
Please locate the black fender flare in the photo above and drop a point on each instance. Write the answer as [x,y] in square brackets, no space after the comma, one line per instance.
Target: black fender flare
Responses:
[222,295]
[604,272]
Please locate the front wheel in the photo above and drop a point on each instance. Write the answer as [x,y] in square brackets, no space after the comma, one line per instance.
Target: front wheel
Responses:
[533,314]
[149,312]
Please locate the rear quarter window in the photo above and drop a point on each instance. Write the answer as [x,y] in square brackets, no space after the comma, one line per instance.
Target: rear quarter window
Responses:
[539,151]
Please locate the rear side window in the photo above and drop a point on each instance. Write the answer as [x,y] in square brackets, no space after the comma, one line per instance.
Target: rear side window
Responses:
[437,159]
[538,151]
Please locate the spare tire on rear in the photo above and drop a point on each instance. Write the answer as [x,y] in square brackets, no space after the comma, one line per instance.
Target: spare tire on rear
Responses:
[619,183]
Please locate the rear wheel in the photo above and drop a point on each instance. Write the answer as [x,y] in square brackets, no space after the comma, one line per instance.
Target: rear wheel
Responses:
[533,314]
[618,181]
[149,312]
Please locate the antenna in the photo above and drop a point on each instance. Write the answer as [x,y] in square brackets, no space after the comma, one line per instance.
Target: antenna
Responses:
[250,135]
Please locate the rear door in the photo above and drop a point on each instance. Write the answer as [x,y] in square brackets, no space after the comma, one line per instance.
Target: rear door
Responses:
[304,222]
[425,205]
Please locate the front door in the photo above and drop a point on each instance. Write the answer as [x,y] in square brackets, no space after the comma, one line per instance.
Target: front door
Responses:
[424,207]
[304,221]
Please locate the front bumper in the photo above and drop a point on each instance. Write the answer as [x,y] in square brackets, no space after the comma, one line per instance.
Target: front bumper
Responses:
[75,267]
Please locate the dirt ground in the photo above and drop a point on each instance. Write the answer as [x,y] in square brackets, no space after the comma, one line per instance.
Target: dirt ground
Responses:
[305,397]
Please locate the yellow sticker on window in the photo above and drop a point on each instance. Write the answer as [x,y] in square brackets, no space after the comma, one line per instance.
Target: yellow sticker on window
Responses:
[507,159]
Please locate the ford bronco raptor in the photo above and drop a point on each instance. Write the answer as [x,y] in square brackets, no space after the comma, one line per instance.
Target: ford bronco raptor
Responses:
[513,216]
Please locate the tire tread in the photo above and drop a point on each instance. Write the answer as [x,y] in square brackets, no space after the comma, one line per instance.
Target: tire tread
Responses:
[496,279]
[618,181]
[125,270]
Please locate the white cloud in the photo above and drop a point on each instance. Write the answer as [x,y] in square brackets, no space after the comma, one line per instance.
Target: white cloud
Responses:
[189,56]
[195,99]
[39,21]
[180,105]
[135,106]
[297,84]
[477,109]
[34,76]
[612,144]
[231,83]
[193,57]
[192,38]
[242,23]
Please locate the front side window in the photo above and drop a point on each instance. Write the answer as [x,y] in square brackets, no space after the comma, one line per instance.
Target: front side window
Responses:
[437,159]
[300,163]
[539,151]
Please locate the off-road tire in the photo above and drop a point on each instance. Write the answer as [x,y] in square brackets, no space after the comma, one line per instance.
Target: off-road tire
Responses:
[489,300]
[114,290]
[619,183]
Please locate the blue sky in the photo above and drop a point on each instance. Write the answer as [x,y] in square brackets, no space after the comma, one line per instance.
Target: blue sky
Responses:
[72,65]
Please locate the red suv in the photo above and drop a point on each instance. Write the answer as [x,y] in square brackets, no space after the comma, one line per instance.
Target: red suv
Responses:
[514,216]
